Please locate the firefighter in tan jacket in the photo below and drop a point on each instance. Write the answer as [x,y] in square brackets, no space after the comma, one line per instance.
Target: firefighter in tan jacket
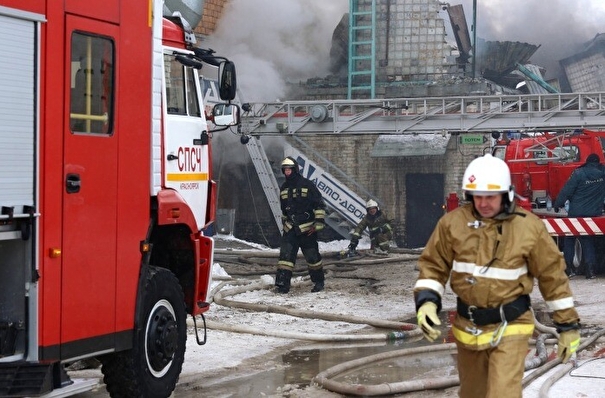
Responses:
[379,225]
[491,252]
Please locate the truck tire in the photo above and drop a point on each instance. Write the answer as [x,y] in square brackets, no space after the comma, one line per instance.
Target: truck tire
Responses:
[152,367]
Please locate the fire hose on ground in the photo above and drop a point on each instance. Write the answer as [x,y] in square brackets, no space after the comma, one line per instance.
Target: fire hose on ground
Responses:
[325,378]
[403,330]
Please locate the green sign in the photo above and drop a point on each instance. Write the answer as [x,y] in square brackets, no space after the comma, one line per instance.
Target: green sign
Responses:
[471,139]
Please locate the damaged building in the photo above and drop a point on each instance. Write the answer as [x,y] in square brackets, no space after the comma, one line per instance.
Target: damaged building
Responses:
[401,50]
[585,71]
[412,57]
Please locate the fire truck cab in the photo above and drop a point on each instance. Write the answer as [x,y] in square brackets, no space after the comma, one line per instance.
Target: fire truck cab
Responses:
[541,164]
[105,193]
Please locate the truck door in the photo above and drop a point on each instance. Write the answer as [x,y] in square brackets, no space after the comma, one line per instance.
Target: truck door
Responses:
[89,182]
[187,160]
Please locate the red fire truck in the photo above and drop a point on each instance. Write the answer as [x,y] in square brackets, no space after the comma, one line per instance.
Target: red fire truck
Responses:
[540,165]
[105,193]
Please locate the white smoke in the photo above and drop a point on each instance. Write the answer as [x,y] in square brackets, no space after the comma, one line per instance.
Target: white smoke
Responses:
[560,27]
[275,41]
[279,41]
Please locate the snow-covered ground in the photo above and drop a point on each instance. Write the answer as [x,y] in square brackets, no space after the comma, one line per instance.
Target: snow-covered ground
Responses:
[388,297]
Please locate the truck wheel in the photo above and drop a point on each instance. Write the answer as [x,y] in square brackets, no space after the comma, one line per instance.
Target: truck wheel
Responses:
[152,367]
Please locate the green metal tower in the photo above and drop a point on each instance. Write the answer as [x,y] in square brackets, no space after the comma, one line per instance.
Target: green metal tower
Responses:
[362,49]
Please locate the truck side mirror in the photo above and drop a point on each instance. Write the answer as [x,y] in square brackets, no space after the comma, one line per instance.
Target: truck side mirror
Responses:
[228,81]
[226,114]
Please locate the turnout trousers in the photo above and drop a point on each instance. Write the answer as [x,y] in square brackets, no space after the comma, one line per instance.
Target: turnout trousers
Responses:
[495,372]
[291,243]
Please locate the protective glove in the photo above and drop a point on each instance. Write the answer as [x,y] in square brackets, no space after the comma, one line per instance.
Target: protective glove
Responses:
[316,227]
[568,343]
[427,317]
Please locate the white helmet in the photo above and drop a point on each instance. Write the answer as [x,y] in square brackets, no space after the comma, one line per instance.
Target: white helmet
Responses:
[487,175]
[289,163]
[371,203]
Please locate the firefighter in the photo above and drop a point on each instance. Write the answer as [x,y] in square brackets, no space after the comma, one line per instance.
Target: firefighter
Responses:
[491,252]
[377,222]
[303,214]
[585,190]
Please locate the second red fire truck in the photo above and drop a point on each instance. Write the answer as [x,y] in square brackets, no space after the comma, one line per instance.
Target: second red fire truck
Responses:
[540,165]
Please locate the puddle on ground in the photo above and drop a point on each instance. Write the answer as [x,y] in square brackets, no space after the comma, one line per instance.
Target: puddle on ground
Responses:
[302,364]
[299,366]
[392,370]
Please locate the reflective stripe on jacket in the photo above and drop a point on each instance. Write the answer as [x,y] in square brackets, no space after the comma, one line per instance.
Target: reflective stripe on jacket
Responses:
[491,262]
[372,222]
[301,203]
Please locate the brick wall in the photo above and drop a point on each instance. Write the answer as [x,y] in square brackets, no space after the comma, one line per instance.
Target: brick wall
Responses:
[213,10]
[385,177]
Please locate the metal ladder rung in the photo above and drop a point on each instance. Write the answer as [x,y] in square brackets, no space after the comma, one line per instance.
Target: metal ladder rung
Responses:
[361,72]
[361,88]
[361,13]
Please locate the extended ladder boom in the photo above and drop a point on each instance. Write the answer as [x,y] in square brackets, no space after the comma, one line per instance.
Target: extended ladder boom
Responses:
[481,113]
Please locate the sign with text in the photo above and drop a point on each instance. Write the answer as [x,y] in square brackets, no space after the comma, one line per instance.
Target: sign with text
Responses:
[337,195]
[471,139]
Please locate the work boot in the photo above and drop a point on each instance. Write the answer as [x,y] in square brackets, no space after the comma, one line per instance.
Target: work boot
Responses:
[589,272]
[282,280]
[317,277]
[378,250]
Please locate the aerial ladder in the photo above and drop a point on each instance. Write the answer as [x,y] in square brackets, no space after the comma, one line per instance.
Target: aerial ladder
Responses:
[344,205]
[452,115]
[444,115]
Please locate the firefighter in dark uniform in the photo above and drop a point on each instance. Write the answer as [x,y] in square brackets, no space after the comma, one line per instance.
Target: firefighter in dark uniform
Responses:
[585,191]
[303,213]
[491,253]
[378,224]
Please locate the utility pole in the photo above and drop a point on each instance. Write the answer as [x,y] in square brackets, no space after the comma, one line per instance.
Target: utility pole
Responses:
[474,36]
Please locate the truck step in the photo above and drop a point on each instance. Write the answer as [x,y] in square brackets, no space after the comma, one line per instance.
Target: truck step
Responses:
[8,336]
[27,379]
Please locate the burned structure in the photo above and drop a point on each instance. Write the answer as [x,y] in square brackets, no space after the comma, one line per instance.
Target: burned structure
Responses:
[403,51]
[585,71]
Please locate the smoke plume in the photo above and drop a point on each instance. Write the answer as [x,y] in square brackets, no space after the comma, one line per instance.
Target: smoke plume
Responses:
[275,41]
[560,27]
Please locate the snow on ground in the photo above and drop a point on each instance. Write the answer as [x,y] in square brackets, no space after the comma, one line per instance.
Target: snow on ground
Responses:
[379,289]
[225,348]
